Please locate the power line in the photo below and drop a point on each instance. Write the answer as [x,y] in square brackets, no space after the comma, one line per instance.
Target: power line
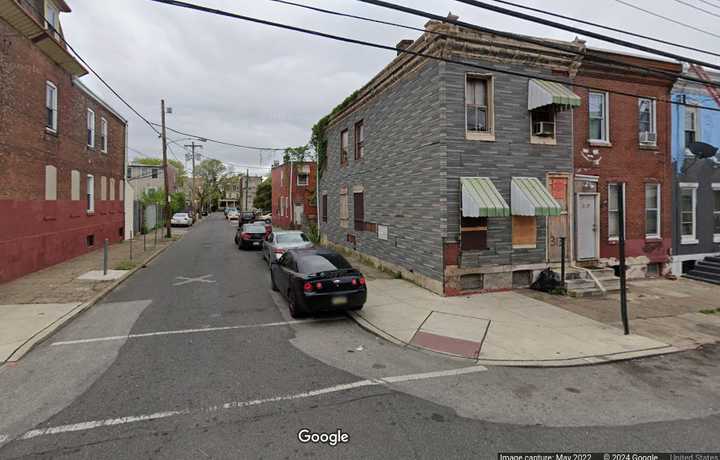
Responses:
[404,51]
[544,43]
[698,8]
[208,139]
[697,29]
[605,27]
[709,3]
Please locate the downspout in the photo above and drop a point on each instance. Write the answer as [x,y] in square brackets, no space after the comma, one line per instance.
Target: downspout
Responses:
[290,205]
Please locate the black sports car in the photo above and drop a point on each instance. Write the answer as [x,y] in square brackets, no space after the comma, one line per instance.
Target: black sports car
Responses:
[250,236]
[317,280]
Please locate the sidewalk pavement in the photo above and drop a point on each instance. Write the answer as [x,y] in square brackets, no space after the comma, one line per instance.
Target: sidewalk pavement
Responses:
[34,306]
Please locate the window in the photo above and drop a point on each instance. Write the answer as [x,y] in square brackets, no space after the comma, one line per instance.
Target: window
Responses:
[90,240]
[652,210]
[716,212]
[51,106]
[151,190]
[90,128]
[50,182]
[542,124]
[524,232]
[647,132]
[343,207]
[359,210]
[52,17]
[324,207]
[614,211]
[597,108]
[359,140]
[478,106]
[688,209]
[473,233]
[302,179]
[154,173]
[75,185]
[103,135]
[90,193]
[344,143]
[691,125]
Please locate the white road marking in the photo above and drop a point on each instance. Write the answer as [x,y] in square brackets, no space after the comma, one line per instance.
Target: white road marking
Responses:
[199,279]
[192,331]
[93,424]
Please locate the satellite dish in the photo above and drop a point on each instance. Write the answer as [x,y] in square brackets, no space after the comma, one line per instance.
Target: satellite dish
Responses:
[702,150]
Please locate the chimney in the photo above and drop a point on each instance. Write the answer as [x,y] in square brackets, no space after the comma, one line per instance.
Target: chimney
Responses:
[453,17]
[403,44]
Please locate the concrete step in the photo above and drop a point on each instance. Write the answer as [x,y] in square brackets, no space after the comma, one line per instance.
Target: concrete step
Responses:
[575,275]
[585,292]
[579,284]
[611,285]
[713,259]
[709,267]
[704,274]
[701,278]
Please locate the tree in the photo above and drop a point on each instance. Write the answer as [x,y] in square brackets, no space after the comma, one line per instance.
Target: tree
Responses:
[298,154]
[181,173]
[263,198]
[210,172]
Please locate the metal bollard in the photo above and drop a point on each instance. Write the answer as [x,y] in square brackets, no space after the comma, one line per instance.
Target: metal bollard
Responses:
[562,261]
[131,245]
[144,242]
[105,256]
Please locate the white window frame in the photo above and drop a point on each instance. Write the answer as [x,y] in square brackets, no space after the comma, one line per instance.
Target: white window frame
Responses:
[488,135]
[657,210]
[606,118]
[653,119]
[689,239]
[624,189]
[103,135]
[696,122]
[90,193]
[50,86]
[715,188]
[305,182]
[90,128]
[49,5]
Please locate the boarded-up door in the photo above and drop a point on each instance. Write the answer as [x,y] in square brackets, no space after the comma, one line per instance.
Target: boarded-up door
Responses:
[558,226]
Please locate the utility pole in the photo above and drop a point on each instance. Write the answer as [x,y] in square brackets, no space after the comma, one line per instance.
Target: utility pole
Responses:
[247,187]
[621,251]
[168,231]
[193,146]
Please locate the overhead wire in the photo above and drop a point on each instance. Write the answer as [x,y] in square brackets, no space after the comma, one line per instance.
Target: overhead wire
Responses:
[697,8]
[674,21]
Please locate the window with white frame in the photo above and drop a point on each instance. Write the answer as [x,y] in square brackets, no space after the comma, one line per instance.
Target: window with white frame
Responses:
[90,194]
[598,112]
[688,213]
[647,132]
[302,179]
[478,104]
[51,106]
[691,125]
[52,17]
[652,210]
[614,210]
[103,135]
[716,212]
[90,128]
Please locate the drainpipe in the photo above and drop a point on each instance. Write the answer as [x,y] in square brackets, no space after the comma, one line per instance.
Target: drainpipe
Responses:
[292,209]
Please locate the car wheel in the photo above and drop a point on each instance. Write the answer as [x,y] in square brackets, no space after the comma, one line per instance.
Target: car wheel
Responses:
[295,312]
[272,282]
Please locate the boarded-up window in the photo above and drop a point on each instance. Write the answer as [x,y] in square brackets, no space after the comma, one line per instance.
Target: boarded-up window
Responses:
[344,145]
[524,231]
[343,207]
[103,188]
[50,182]
[121,190]
[359,210]
[75,185]
[359,140]
[473,233]
[324,207]
[112,189]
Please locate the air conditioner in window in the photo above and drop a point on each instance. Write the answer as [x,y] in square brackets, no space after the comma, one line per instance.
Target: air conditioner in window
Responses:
[543,128]
[646,137]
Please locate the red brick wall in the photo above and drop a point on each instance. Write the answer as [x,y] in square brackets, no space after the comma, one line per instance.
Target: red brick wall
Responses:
[626,161]
[300,194]
[35,233]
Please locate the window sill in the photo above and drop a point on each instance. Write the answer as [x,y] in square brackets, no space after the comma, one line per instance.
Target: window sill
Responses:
[90,213]
[478,136]
[524,246]
[689,241]
[599,143]
[653,238]
[716,238]
[647,146]
[50,131]
[543,140]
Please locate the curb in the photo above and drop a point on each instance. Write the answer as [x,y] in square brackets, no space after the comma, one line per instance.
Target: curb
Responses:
[58,324]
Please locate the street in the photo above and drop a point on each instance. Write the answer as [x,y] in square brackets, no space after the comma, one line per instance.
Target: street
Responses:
[195,357]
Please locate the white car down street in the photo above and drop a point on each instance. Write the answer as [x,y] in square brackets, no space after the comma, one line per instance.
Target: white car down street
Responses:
[181,218]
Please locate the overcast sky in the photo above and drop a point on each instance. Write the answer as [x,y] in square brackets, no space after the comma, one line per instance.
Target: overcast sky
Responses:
[256,85]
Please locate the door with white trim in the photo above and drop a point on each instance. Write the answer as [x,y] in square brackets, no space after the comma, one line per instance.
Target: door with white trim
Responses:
[586,226]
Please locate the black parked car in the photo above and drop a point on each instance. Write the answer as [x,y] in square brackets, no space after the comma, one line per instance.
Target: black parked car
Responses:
[250,236]
[246,217]
[317,280]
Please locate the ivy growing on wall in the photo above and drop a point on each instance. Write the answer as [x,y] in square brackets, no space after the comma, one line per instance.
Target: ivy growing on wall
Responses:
[319,131]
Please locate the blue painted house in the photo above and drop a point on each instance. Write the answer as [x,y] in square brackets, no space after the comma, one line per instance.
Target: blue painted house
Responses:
[696,185]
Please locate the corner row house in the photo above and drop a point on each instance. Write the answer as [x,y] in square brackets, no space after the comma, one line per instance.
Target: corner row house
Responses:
[62,149]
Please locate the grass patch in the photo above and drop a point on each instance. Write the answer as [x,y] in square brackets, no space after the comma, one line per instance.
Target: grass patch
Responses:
[125,265]
[711,311]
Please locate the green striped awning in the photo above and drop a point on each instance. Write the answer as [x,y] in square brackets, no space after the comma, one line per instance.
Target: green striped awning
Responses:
[542,93]
[529,197]
[480,198]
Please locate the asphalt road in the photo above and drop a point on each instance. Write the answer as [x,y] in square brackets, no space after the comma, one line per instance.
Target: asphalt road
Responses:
[213,367]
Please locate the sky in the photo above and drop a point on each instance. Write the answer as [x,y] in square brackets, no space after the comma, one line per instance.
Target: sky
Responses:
[254,85]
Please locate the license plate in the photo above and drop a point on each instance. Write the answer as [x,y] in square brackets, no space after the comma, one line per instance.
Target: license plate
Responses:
[256,243]
[339,300]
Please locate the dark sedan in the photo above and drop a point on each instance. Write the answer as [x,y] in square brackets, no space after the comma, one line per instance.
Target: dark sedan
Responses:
[317,280]
[250,236]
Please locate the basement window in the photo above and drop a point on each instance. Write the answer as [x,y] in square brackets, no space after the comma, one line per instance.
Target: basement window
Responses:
[90,240]
[473,233]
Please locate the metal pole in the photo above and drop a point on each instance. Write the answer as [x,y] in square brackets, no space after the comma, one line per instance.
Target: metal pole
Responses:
[155,244]
[132,238]
[562,262]
[105,256]
[144,242]
[165,171]
[621,250]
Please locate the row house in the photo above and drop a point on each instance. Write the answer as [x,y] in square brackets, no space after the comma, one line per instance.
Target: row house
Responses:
[146,179]
[293,194]
[62,148]
[696,185]
[458,177]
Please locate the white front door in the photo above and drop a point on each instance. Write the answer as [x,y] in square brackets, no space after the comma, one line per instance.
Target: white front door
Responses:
[586,226]
[298,217]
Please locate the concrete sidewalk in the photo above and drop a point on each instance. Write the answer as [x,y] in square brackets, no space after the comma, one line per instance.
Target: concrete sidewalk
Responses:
[496,329]
[36,305]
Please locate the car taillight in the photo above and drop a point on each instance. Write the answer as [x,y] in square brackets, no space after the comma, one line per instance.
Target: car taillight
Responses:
[308,287]
[362,281]
[354,282]
[318,285]
[279,251]
[245,236]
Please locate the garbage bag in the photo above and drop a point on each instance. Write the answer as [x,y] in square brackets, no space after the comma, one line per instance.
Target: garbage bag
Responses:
[547,281]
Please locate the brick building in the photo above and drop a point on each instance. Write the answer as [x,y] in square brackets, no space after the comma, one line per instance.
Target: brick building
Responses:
[145,178]
[293,194]
[623,141]
[62,149]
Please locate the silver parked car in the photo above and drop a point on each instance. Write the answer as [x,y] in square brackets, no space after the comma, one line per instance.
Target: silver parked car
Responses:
[278,242]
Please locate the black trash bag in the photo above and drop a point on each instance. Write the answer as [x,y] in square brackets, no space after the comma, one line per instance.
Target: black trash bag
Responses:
[547,281]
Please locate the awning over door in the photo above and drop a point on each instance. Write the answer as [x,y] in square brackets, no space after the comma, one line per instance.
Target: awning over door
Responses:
[480,198]
[530,198]
[542,93]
